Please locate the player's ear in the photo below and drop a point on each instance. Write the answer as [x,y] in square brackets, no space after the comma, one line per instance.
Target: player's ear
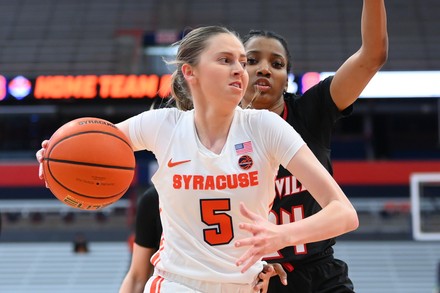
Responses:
[187,72]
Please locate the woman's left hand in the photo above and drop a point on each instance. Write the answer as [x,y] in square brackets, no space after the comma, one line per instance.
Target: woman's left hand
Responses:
[266,238]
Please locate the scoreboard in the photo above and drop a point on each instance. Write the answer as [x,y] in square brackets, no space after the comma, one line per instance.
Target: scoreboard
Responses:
[95,89]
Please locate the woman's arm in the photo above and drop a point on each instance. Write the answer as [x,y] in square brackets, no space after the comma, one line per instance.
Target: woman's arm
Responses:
[140,270]
[124,127]
[357,71]
[337,216]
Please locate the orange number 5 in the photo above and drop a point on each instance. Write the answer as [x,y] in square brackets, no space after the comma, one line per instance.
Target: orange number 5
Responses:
[211,213]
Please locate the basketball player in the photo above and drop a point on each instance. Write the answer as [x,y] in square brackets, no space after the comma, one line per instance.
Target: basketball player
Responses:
[216,169]
[311,266]
[268,65]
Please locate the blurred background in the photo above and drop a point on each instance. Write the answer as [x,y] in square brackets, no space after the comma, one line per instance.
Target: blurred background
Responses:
[64,59]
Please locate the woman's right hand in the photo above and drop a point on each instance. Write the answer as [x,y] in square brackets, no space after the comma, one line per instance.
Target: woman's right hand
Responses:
[40,155]
[270,270]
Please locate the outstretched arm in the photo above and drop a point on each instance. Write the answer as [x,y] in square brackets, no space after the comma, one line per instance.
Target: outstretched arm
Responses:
[337,216]
[356,72]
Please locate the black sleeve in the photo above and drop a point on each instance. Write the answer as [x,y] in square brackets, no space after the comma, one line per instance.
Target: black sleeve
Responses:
[318,112]
[148,225]
[318,100]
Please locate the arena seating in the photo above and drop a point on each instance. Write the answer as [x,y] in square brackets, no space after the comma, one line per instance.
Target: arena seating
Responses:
[77,37]
[54,267]
[391,266]
[375,267]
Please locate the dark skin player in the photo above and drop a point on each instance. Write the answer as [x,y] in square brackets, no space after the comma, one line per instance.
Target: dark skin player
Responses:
[311,267]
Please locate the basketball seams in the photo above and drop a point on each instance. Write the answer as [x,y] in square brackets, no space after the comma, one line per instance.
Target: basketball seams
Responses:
[83,195]
[52,147]
[89,166]
[86,132]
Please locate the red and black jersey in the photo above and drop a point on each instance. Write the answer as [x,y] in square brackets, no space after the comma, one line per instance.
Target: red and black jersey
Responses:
[313,116]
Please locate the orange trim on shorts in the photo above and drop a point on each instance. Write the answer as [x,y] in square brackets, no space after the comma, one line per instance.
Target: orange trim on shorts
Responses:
[156,256]
[156,285]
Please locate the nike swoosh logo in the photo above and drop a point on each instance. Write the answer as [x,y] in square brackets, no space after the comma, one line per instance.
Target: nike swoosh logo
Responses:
[172,164]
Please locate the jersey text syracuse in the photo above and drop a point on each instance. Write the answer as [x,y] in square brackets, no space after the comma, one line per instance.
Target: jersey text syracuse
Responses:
[218,182]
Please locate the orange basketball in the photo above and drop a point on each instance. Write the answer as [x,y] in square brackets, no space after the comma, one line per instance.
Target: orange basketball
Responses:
[88,163]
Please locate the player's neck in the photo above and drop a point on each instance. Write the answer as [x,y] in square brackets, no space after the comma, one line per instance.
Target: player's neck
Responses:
[277,107]
[212,131]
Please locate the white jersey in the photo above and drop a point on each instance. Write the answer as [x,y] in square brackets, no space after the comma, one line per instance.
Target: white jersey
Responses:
[200,191]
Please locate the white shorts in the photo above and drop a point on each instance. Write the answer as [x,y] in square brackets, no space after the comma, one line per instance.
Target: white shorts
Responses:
[164,282]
